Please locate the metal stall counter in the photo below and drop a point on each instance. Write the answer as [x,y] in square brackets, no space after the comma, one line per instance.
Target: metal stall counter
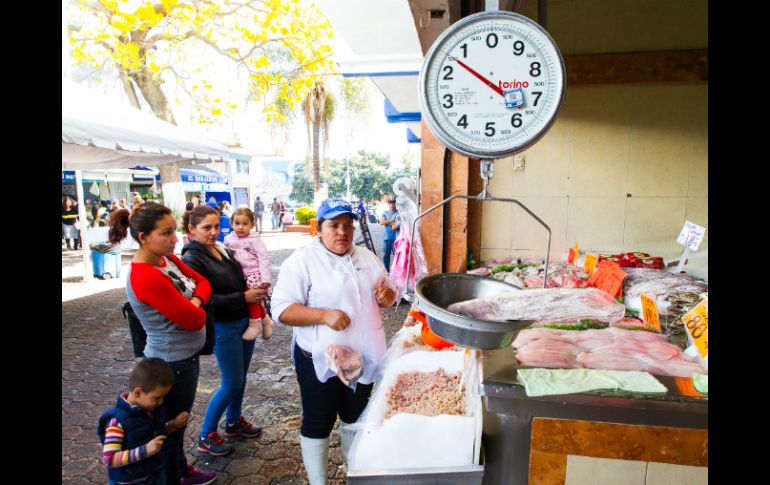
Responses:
[528,439]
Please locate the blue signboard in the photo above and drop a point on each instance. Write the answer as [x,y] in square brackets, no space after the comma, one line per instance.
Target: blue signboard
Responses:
[67,176]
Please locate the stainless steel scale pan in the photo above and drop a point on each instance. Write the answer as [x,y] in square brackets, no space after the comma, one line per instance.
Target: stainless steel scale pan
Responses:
[436,292]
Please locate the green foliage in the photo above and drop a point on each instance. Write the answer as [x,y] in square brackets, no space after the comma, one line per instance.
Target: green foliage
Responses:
[304,214]
[369,178]
[354,94]
[302,184]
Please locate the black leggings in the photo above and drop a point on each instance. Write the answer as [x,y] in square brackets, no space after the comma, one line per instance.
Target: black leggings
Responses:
[323,401]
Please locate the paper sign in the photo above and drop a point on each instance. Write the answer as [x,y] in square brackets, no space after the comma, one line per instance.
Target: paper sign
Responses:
[691,235]
[650,312]
[696,321]
[590,262]
[608,277]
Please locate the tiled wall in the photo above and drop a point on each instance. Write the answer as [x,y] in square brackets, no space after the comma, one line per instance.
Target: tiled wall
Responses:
[622,168]
[569,452]
[601,26]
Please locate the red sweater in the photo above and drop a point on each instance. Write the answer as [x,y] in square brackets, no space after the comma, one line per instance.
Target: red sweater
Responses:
[152,286]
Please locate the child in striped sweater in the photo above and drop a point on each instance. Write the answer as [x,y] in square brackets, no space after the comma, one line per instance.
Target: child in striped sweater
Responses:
[133,431]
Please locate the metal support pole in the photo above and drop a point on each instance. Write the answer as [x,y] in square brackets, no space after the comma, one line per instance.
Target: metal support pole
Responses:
[83,222]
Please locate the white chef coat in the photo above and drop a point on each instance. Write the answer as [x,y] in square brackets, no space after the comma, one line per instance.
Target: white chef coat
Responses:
[315,277]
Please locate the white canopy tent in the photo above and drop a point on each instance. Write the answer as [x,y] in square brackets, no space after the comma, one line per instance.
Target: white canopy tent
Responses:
[100,133]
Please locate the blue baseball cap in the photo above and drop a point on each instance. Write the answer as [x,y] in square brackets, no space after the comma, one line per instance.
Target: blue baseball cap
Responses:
[331,208]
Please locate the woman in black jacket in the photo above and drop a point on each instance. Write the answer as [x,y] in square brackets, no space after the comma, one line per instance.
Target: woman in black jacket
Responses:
[229,300]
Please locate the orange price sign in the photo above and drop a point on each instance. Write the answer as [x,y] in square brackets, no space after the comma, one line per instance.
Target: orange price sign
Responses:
[608,277]
[590,262]
[650,312]
[696,321]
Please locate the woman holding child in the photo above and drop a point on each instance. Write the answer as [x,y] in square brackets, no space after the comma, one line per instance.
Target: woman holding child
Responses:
[235,337]
[167,297]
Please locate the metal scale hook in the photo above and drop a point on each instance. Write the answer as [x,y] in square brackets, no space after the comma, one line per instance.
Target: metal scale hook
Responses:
[487,172]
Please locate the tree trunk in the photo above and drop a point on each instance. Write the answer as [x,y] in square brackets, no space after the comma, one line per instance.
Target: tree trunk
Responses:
[316,158]
[170,176]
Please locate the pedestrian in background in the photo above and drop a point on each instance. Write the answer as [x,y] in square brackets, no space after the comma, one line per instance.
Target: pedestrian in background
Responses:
[168,298]
[281,214]
[259,210]
[136,199]
[389,219]
[100,219]
[275,212]
[230,297]
[69,223]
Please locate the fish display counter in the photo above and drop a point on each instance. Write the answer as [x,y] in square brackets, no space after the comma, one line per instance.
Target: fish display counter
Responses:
[543,439]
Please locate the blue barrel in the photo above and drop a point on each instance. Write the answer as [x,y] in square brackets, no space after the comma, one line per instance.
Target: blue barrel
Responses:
[106,265]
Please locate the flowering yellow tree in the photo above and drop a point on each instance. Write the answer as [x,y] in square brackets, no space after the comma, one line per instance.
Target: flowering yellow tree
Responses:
[282,45]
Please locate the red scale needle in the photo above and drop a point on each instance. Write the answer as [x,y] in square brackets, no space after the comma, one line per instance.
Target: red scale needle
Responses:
[479,76]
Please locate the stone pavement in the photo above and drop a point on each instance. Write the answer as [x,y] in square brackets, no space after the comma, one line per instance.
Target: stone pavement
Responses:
[97,359]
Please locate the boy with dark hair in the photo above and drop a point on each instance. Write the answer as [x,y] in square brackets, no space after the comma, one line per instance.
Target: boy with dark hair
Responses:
[133,431]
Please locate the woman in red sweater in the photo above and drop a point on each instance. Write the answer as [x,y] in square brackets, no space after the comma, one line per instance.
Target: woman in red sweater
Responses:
[167,297]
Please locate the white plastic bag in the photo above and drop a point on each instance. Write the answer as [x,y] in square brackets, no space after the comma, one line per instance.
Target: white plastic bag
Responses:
[328,346]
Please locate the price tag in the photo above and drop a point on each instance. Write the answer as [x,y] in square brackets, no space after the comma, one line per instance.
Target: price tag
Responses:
[691,235]
[608,277]
[696,321]
[572,254]
[590,262]
[650,312]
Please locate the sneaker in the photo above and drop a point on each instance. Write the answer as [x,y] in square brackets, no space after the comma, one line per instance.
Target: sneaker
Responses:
[213,445]
[243,428]
[196,476]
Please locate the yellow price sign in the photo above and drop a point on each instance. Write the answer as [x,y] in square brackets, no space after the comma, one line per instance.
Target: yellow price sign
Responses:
[650,312]
[590,262]
[696,321]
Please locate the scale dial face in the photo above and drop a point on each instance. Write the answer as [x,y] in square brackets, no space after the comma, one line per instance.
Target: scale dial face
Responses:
[492,84]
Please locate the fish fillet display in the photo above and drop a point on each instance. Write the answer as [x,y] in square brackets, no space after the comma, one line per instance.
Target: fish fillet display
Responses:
[554,304]
[610,349]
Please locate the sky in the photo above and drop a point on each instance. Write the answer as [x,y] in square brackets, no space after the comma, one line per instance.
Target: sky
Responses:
[348,133]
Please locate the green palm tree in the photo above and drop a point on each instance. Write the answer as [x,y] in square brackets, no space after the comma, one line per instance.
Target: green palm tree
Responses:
[318,107]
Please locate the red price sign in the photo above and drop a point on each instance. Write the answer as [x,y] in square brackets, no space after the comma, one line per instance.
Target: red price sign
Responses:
[696,321]
[650,312]
[608,277]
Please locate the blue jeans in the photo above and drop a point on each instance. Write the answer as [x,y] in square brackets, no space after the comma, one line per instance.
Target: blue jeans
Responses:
[157,478]
[233,356]
[276,221]
[180,398]
[387,251]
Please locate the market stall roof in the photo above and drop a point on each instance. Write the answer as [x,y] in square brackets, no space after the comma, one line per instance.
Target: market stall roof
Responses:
[98,132]
[387,51]
[200,173]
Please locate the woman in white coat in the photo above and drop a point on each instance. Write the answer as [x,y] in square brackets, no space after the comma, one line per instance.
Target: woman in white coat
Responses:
[330,292]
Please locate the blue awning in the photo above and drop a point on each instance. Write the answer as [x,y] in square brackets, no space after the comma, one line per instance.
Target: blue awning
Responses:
[411,137]
[393,116]
[201,174]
